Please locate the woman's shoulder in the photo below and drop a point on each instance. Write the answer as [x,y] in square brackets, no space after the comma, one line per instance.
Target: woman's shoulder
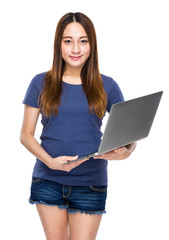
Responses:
[37,82]
[108,81]
[112,89]
[38,78]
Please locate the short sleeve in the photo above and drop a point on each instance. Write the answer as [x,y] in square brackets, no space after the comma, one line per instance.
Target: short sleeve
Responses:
[115,94]
[32,93]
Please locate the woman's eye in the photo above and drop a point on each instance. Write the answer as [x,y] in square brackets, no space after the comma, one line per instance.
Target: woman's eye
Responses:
[83,41]
[68,41]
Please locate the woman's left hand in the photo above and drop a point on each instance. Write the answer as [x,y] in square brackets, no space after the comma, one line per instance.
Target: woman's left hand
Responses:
[119,153]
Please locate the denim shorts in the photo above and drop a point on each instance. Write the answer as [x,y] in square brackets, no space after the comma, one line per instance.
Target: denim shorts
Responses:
[85,199]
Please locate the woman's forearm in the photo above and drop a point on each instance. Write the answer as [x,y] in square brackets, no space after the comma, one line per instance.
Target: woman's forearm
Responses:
[29,141]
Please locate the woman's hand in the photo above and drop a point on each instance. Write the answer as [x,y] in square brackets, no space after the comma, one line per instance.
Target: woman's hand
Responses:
[58,163]
[119,153]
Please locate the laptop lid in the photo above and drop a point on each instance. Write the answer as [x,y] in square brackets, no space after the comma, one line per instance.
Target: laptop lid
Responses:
[129,121]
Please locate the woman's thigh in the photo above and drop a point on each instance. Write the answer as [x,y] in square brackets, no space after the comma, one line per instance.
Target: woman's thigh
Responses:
[54,221]
[83,226]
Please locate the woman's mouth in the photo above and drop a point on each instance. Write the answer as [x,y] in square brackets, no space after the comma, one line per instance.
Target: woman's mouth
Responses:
[75,57]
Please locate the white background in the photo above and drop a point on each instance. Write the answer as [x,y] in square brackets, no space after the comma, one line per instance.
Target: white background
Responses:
[133,47]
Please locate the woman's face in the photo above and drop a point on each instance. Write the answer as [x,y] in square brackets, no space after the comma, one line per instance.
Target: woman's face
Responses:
[75,45]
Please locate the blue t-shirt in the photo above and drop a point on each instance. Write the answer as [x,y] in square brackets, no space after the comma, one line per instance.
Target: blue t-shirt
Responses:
[74,131]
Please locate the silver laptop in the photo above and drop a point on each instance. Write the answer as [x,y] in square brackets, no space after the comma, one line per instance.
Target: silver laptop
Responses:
[128,122]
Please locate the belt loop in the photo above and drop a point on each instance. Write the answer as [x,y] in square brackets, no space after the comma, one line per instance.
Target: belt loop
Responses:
[66,191]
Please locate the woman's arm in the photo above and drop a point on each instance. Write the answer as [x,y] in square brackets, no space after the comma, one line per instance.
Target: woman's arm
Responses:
[27,138]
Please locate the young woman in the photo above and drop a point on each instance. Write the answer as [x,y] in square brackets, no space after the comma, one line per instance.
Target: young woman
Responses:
[72,98]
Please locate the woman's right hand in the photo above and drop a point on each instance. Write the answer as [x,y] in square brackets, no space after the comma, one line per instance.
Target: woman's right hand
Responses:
[63,163]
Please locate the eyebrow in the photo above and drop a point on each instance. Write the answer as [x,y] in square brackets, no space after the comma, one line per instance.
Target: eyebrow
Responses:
[71,37]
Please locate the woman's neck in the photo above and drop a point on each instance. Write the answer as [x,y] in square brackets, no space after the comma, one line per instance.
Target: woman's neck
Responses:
[72,71]
[72,75]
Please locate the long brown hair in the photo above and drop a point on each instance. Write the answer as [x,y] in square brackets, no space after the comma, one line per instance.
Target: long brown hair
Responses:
[90,75]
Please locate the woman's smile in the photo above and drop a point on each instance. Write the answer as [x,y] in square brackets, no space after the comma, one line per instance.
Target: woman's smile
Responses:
[75,57]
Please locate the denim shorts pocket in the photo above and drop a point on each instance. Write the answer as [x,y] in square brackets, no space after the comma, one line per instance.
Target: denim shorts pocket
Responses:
[35,180]
[101,188]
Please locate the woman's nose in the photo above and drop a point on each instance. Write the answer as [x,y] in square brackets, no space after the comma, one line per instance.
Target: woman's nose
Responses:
[75,48]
